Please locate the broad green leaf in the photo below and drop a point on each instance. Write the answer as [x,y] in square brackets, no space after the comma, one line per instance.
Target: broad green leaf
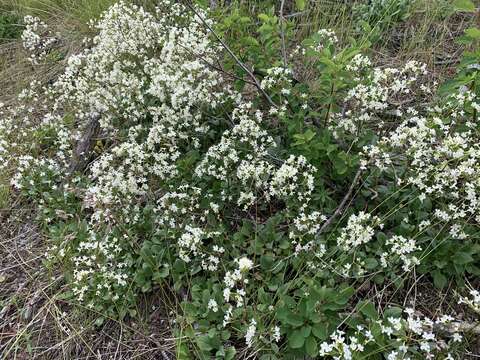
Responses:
[263,17]
[306,331]
[294,320]
[99,321]
[344,295]
[393,311]
[230,353]
[439,280]
[320,330]
[462,258]
[296,339]
[300,4]
[371,263]
[162,273]
[182,352]
[368,309]
[464,5]
[311,346]
[203,343]
[474,33]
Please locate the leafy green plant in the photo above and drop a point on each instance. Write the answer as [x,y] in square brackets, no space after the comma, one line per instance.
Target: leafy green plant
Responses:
[269,186]
[379,16]
[10,27]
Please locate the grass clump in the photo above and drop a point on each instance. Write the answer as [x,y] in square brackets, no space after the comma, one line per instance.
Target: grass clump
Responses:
[10,27]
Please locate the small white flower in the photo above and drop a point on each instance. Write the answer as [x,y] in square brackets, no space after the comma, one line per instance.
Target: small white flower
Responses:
[251,332]
[245,264]
[212,305]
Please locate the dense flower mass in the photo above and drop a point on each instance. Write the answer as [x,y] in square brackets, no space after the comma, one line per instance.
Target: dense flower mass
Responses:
[36,39]
[250,212]
[414,334]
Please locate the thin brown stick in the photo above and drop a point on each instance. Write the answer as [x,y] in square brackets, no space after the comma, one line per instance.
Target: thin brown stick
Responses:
[340,207]
[282,34]
[230,52]
[82,151]
[217,67]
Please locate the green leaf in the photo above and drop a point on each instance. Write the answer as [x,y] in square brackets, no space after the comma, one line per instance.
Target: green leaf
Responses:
[306,330]
[264,17]
[304,138]
[320,330]
[462,258]
[203,343]
[296,339]
[300,4]
[368,309]
[266,262]
[230,353]
[393,311]
[371,263]
[473,33]
[182,352]
[295,320]
[162,273]
[268,356]
[99,321]
[344,295]
[439,280]
[464,5]
[311,346]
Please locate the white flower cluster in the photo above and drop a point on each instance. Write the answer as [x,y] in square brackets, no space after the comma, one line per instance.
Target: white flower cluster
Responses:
[326,37]
[241,151]
[443,155]
[412,335]
[242,157]
[294,179]
[304,228]
[307,224]
[234,282]
[321,39]
[212,305]
[180,215]
[473,301]
[249,336]
[146,78]
[359,230]
[18,125]
[379,91]
[36,38]
[400,248]
[359,64]
[278,76]
[141,66]
[99,265]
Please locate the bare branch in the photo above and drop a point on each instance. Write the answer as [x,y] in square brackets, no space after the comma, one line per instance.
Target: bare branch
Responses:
[342,204]
[282,34]
[82,151]
[230,52]
[299,13]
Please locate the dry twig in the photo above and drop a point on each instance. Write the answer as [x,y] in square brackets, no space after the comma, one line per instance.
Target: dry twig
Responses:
[342,204]
[230,52]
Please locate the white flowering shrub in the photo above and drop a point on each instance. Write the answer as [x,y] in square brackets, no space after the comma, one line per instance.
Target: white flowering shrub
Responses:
[263,212]
[36,39]
[473,300]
